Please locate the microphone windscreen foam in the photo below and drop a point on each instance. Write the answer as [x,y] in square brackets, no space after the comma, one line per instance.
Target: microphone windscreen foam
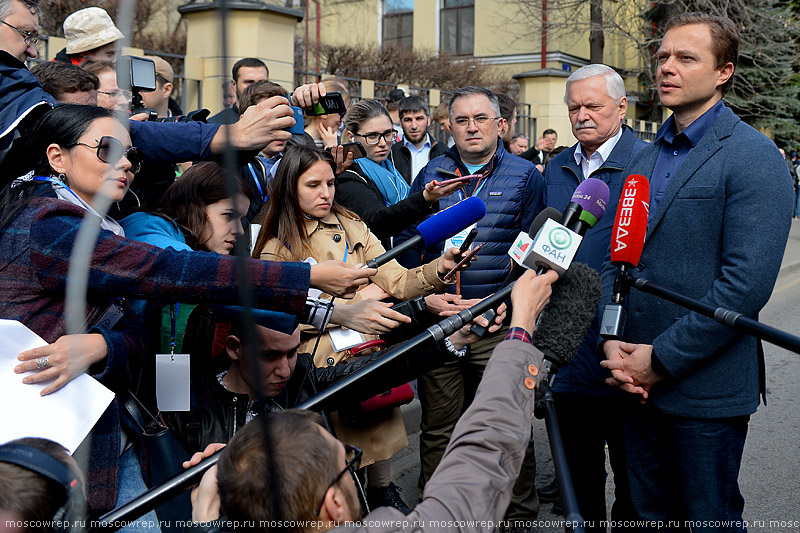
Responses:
[592,196]
[630,225]
[566,319]
[452,220]
[542,217]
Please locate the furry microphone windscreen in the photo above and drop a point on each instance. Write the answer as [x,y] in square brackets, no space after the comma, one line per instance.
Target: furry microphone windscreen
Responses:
[567,317]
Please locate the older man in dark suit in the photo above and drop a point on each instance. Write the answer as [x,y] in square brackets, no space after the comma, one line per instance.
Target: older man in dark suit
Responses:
[716,232]
[586,408]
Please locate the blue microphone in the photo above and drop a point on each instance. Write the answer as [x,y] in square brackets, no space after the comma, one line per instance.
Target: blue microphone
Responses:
[437,228]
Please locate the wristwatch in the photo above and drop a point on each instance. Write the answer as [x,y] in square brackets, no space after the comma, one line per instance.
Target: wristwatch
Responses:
[452,349]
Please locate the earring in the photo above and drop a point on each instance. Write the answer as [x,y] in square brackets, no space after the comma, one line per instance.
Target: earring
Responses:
[138,202]
[60,177]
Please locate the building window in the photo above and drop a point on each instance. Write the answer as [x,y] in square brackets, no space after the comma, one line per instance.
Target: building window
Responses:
[398,23]
[457,27]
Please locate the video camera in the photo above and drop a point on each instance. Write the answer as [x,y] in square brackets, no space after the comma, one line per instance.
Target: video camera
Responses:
[138,75]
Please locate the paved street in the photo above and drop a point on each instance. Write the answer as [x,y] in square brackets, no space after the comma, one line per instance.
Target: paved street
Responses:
[770,475]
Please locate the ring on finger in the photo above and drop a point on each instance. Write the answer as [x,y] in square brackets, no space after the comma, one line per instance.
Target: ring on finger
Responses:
[42,362]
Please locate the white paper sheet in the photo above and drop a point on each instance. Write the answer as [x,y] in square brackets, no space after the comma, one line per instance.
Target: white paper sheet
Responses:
[66,416]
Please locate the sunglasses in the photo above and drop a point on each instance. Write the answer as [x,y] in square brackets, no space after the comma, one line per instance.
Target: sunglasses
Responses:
[111,150]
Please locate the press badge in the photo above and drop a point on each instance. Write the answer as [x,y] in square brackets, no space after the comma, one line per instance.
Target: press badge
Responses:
[343,338]
[458,239]
[172,381]
[111,315]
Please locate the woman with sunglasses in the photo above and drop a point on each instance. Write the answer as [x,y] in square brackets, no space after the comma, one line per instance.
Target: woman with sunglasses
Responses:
[78,153]
[303,220]
[372,188]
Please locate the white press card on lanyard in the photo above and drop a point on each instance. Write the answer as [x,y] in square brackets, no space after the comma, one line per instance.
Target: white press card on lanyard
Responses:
[172,374]
[343,338]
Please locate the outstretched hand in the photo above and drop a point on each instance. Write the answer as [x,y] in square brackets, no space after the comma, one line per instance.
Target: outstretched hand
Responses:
[368,316]
[433,192]
[530,295]
[205,495]
[340,279]
[67,358]
[465,336]
[342,162]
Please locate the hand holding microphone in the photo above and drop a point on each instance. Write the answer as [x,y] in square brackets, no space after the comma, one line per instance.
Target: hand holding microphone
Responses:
[437,228]
[530,296]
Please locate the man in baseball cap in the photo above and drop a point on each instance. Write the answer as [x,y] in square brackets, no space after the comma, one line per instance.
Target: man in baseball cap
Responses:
[159,99]
[91,36]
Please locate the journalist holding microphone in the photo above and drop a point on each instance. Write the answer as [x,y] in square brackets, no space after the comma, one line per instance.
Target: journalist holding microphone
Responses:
[303,220]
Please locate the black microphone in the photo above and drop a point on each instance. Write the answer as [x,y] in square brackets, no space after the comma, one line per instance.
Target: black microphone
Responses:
[566,319]
[517,270]
[437,228]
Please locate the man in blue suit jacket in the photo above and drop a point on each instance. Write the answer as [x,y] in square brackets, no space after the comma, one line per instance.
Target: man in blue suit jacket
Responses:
[716,232]
[585,406]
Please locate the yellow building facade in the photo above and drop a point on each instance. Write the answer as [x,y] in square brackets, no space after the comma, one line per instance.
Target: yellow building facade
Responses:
[503,34]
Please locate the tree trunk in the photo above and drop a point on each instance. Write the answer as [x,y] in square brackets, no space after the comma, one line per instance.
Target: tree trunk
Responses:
[596,35]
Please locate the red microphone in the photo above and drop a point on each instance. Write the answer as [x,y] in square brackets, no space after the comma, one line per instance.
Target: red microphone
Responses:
[627,243]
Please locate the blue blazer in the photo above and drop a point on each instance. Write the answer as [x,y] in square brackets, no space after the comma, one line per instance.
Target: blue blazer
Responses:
[718,235]
[584,375]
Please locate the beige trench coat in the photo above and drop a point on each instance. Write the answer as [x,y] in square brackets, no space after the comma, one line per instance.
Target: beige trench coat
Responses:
[342,238]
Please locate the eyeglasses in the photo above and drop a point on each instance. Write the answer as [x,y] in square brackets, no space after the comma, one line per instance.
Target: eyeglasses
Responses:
[480,120]
[374,138]
[353,457]
[30,38]
[111,150]
[116,93]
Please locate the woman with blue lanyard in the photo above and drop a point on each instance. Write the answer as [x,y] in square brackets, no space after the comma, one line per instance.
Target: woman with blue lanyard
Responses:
[203,210]
[372,188]
[304,221]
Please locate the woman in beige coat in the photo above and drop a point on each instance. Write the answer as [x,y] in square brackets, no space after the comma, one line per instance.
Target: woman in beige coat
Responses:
[302,221]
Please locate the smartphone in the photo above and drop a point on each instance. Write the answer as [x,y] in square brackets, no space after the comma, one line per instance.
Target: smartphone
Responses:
[460,179]
[356,148]
[328,104]
[445,172]
[464,261]
[299,126]
[468,241]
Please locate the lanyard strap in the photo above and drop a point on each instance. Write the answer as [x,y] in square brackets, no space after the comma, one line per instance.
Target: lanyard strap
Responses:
[60,183]
[483,175]
[346,246]
[258,182]
[173,318]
